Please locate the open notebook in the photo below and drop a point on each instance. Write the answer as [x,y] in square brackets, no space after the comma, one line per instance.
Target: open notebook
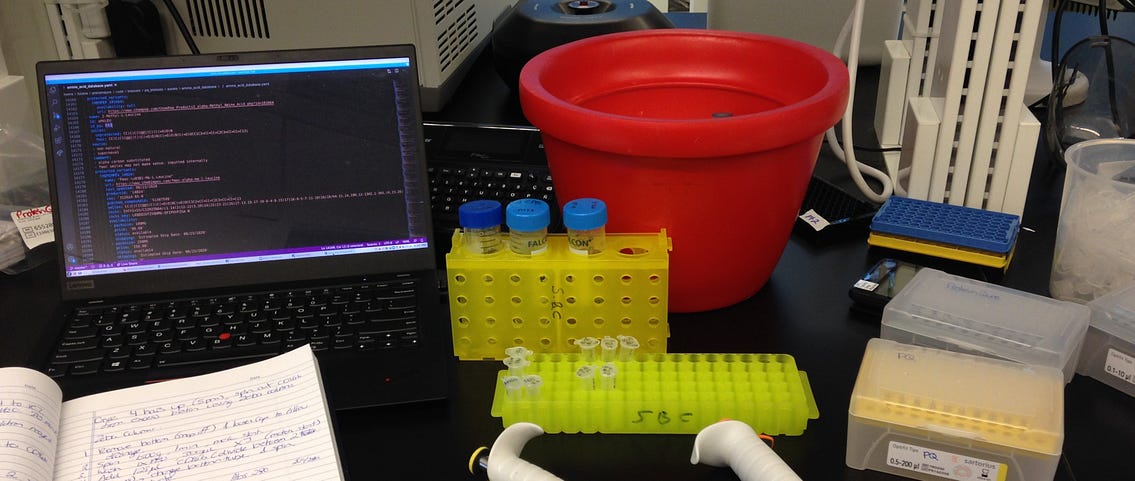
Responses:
[239,205]
[266,420]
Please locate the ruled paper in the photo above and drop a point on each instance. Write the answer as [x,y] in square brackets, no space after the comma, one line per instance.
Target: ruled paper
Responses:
[29,420]
[264,421]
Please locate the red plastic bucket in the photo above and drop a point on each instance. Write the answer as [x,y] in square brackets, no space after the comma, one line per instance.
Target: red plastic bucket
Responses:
[710,134]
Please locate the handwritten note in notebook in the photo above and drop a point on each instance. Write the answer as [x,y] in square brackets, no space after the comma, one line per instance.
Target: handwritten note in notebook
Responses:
[263,421]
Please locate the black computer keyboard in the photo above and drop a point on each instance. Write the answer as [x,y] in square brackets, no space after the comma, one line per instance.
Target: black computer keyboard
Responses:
[371,316]
[476,161]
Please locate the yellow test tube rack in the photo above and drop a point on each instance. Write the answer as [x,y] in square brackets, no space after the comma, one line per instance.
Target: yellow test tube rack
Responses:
[547,301]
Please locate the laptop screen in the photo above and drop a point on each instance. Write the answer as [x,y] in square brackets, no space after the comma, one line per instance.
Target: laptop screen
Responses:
[233,160]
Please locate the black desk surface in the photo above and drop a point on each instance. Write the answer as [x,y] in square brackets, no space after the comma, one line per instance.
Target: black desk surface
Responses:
[803,311]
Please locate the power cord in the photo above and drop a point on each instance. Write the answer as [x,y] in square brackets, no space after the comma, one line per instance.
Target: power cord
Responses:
[852,28]
[1065,69]
[173,12]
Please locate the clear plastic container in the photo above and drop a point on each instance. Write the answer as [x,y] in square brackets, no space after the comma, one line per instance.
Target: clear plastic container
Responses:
[527,221]
[1109,347]
[481,223]
[23,185]
[586,223]
[956,313]
[1095,238]
[929,414]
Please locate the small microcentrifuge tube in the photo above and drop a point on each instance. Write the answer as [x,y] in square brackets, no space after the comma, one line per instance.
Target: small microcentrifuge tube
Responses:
[532,383]
[513,387]
[515,365]
[520,352]
[610,348]
[481,225]
[607,377]
[587,347]
[527,221]
[627,347]
[586,221]
[586,375]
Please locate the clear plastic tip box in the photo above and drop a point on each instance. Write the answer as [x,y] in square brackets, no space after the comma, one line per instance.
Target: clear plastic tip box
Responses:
[1109,347]
[547,301]
[929,414]
[955,313]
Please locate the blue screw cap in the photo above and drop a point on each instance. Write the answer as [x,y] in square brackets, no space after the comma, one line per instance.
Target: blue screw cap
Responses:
[526,215]
[480,214]
[585,214]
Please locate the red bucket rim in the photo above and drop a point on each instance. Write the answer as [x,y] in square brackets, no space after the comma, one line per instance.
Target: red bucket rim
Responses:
[765,130]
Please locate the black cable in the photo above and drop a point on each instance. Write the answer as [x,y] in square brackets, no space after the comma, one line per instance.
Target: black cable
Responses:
[864,148]
[1055,97]
[1102,15]
[1055,106]
[1109,58]
[877,149]
[1054,46]
[181,26]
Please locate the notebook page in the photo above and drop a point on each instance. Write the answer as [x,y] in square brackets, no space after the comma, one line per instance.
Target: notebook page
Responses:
[263,421]
[29,417]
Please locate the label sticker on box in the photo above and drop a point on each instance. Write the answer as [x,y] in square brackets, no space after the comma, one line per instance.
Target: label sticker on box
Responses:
[815,220]
[35,225]
[942,463]
[1120,365]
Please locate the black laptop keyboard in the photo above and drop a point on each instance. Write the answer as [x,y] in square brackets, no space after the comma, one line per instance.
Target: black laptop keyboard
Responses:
[477,161]
[453,185]
[362,317]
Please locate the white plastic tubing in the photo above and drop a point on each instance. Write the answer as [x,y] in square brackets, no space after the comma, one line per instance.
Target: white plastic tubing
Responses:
[852,28]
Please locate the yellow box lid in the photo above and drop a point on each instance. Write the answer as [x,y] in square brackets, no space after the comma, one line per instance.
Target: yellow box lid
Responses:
[938,249]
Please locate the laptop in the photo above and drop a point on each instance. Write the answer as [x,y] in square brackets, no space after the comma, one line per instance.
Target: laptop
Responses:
[238,205]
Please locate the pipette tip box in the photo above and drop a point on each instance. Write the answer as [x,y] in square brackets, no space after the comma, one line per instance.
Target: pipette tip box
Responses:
[955,313]
[930,414]
[965,234]
[1109,347]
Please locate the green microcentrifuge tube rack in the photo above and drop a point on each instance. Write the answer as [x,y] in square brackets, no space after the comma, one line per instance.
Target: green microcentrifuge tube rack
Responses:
[659,393]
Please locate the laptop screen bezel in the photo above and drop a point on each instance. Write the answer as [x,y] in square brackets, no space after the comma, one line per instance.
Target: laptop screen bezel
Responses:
[252,274]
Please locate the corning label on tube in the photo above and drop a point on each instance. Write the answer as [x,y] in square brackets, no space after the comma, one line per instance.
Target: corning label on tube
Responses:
[1120,365]
[942,463]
